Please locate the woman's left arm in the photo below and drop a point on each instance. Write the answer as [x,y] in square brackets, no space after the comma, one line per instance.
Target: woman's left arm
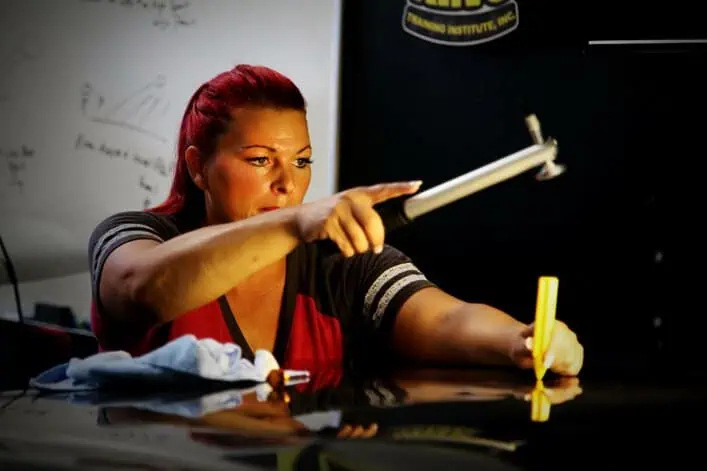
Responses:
[433,326]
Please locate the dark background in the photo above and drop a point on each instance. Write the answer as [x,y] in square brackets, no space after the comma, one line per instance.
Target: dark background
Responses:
[619,229]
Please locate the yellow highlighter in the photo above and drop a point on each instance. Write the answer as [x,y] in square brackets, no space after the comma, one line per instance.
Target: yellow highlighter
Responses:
[544,320]
[540,404]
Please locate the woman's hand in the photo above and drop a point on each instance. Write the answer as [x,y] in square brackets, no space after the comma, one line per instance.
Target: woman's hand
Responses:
[348,218]
[564,356]
[558,391]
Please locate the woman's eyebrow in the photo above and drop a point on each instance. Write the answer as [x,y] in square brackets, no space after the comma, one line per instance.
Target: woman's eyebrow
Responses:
[272,149]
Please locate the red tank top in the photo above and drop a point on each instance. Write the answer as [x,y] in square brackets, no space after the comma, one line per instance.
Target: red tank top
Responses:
[306,338]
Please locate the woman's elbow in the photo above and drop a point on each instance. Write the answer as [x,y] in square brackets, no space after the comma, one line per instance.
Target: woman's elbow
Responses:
[145,299]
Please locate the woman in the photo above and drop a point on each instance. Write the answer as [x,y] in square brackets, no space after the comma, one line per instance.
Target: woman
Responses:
[233,254]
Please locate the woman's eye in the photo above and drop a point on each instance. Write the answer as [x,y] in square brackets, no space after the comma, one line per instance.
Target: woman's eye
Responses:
[258,161]
[303,162]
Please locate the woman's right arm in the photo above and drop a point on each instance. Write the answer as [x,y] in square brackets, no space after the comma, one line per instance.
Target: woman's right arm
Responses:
[158,281]
[155,282]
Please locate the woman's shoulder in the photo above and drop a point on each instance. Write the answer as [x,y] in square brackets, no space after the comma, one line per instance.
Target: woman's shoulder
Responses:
[131,223]
[137,216]
[328,252]
[325,257]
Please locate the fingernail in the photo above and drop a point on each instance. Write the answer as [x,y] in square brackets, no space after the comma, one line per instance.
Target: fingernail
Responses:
[378,249]
[549,359]
[527,397]
[529,343]
[416,183]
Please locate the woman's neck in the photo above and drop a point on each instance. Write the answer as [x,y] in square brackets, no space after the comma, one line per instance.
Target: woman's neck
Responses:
[262,281]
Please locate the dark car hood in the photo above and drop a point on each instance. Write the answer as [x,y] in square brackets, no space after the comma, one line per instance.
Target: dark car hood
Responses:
[423,420]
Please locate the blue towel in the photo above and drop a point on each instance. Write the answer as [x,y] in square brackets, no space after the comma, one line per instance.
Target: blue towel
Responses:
[185,359]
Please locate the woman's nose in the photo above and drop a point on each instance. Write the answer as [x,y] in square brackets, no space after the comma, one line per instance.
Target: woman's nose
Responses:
[284,182]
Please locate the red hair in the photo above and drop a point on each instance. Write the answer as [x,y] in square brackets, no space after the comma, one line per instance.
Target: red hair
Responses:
[208,116]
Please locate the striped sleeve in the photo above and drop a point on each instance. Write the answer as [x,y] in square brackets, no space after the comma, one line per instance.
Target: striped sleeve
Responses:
[366,292]
[119,229]
[390,279]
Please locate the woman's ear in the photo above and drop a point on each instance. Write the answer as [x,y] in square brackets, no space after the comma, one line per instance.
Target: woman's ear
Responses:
[196,167]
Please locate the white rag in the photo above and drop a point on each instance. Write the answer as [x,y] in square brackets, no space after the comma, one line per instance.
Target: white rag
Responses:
[185,359]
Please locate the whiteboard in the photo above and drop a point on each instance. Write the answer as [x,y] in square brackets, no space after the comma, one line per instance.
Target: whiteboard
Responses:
[92,93]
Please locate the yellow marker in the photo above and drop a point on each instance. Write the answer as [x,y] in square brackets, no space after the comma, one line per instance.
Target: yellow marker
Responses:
[544,321]
[540,404]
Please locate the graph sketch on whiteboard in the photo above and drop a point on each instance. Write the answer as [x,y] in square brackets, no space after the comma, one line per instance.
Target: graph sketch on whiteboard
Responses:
[141,110]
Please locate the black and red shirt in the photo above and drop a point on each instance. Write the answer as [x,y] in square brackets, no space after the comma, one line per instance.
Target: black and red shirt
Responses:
[334,309]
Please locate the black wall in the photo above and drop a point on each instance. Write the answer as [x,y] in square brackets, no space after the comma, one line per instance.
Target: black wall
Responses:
[416,110]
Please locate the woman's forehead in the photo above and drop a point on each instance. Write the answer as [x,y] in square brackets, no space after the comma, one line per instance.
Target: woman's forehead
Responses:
[267,127]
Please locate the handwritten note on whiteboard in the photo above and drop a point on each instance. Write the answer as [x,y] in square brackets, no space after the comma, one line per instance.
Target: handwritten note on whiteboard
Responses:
[93,92]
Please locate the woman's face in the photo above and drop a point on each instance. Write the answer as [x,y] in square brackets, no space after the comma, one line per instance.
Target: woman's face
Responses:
[262,163]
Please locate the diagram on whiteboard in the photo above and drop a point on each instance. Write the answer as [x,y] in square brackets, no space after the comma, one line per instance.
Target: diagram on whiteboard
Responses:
[141,111]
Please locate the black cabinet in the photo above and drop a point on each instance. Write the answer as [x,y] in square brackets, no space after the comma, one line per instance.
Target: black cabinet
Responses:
[619,229]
